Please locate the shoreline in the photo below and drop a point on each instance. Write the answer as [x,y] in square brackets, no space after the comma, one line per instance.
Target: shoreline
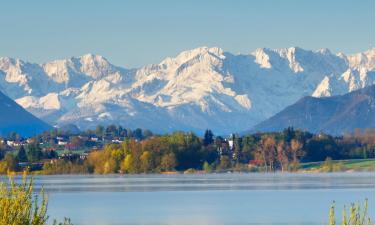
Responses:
[301,172]
[332,166]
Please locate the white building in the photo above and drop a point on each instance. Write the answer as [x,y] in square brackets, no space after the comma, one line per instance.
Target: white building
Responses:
[62,142]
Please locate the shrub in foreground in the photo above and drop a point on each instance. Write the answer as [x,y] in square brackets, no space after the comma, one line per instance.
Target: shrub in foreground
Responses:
[19,205]
[356,215]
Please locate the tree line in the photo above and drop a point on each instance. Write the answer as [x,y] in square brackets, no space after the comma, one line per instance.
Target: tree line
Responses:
[185,151]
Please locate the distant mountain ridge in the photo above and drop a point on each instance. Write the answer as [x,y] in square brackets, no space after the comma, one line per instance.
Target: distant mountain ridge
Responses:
[198,89]
[333,115]
[13,118]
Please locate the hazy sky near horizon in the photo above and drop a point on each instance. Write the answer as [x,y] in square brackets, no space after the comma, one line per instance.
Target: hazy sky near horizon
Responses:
[139,32]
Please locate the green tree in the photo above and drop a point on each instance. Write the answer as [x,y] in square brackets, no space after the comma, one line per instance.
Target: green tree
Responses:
[138,134]
[168,162]
[21,154]
[189,152]
[208,137]
[207,167]
[236,148]
[112,130]
[248,147]
[225,162]
[34,153]
[136,152]
[320,147]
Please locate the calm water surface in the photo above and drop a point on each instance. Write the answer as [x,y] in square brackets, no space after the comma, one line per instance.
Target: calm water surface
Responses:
[222,199]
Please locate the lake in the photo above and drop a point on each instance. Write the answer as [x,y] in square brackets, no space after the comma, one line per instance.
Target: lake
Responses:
[205,199]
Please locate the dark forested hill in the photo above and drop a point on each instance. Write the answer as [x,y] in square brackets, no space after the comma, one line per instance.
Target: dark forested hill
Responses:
[334,115]
[14,118]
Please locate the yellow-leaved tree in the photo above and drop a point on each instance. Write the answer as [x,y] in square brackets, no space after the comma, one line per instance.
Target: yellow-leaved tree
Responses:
[19,205]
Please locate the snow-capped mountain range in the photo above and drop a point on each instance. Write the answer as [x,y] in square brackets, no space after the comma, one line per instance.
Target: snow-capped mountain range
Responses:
[198,89]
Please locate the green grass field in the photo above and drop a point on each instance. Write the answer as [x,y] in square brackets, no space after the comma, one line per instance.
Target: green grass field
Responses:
[60,152]
[340,165]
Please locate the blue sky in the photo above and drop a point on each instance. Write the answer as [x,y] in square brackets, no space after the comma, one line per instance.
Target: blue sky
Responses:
[134,33]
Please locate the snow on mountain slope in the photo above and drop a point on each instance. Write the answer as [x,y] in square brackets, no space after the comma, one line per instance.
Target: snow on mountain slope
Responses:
[19,78]
[197,89]
[75,72]
[365,60]
[49,102]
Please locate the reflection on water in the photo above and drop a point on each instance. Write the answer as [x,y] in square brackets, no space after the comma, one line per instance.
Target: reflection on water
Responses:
[227,199]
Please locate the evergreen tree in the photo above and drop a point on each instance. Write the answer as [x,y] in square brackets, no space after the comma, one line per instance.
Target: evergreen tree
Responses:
[34,153]
[236,148]
[288,134]
[138,134]
[112,130]
[124,133]
[21,155]
[208,137]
